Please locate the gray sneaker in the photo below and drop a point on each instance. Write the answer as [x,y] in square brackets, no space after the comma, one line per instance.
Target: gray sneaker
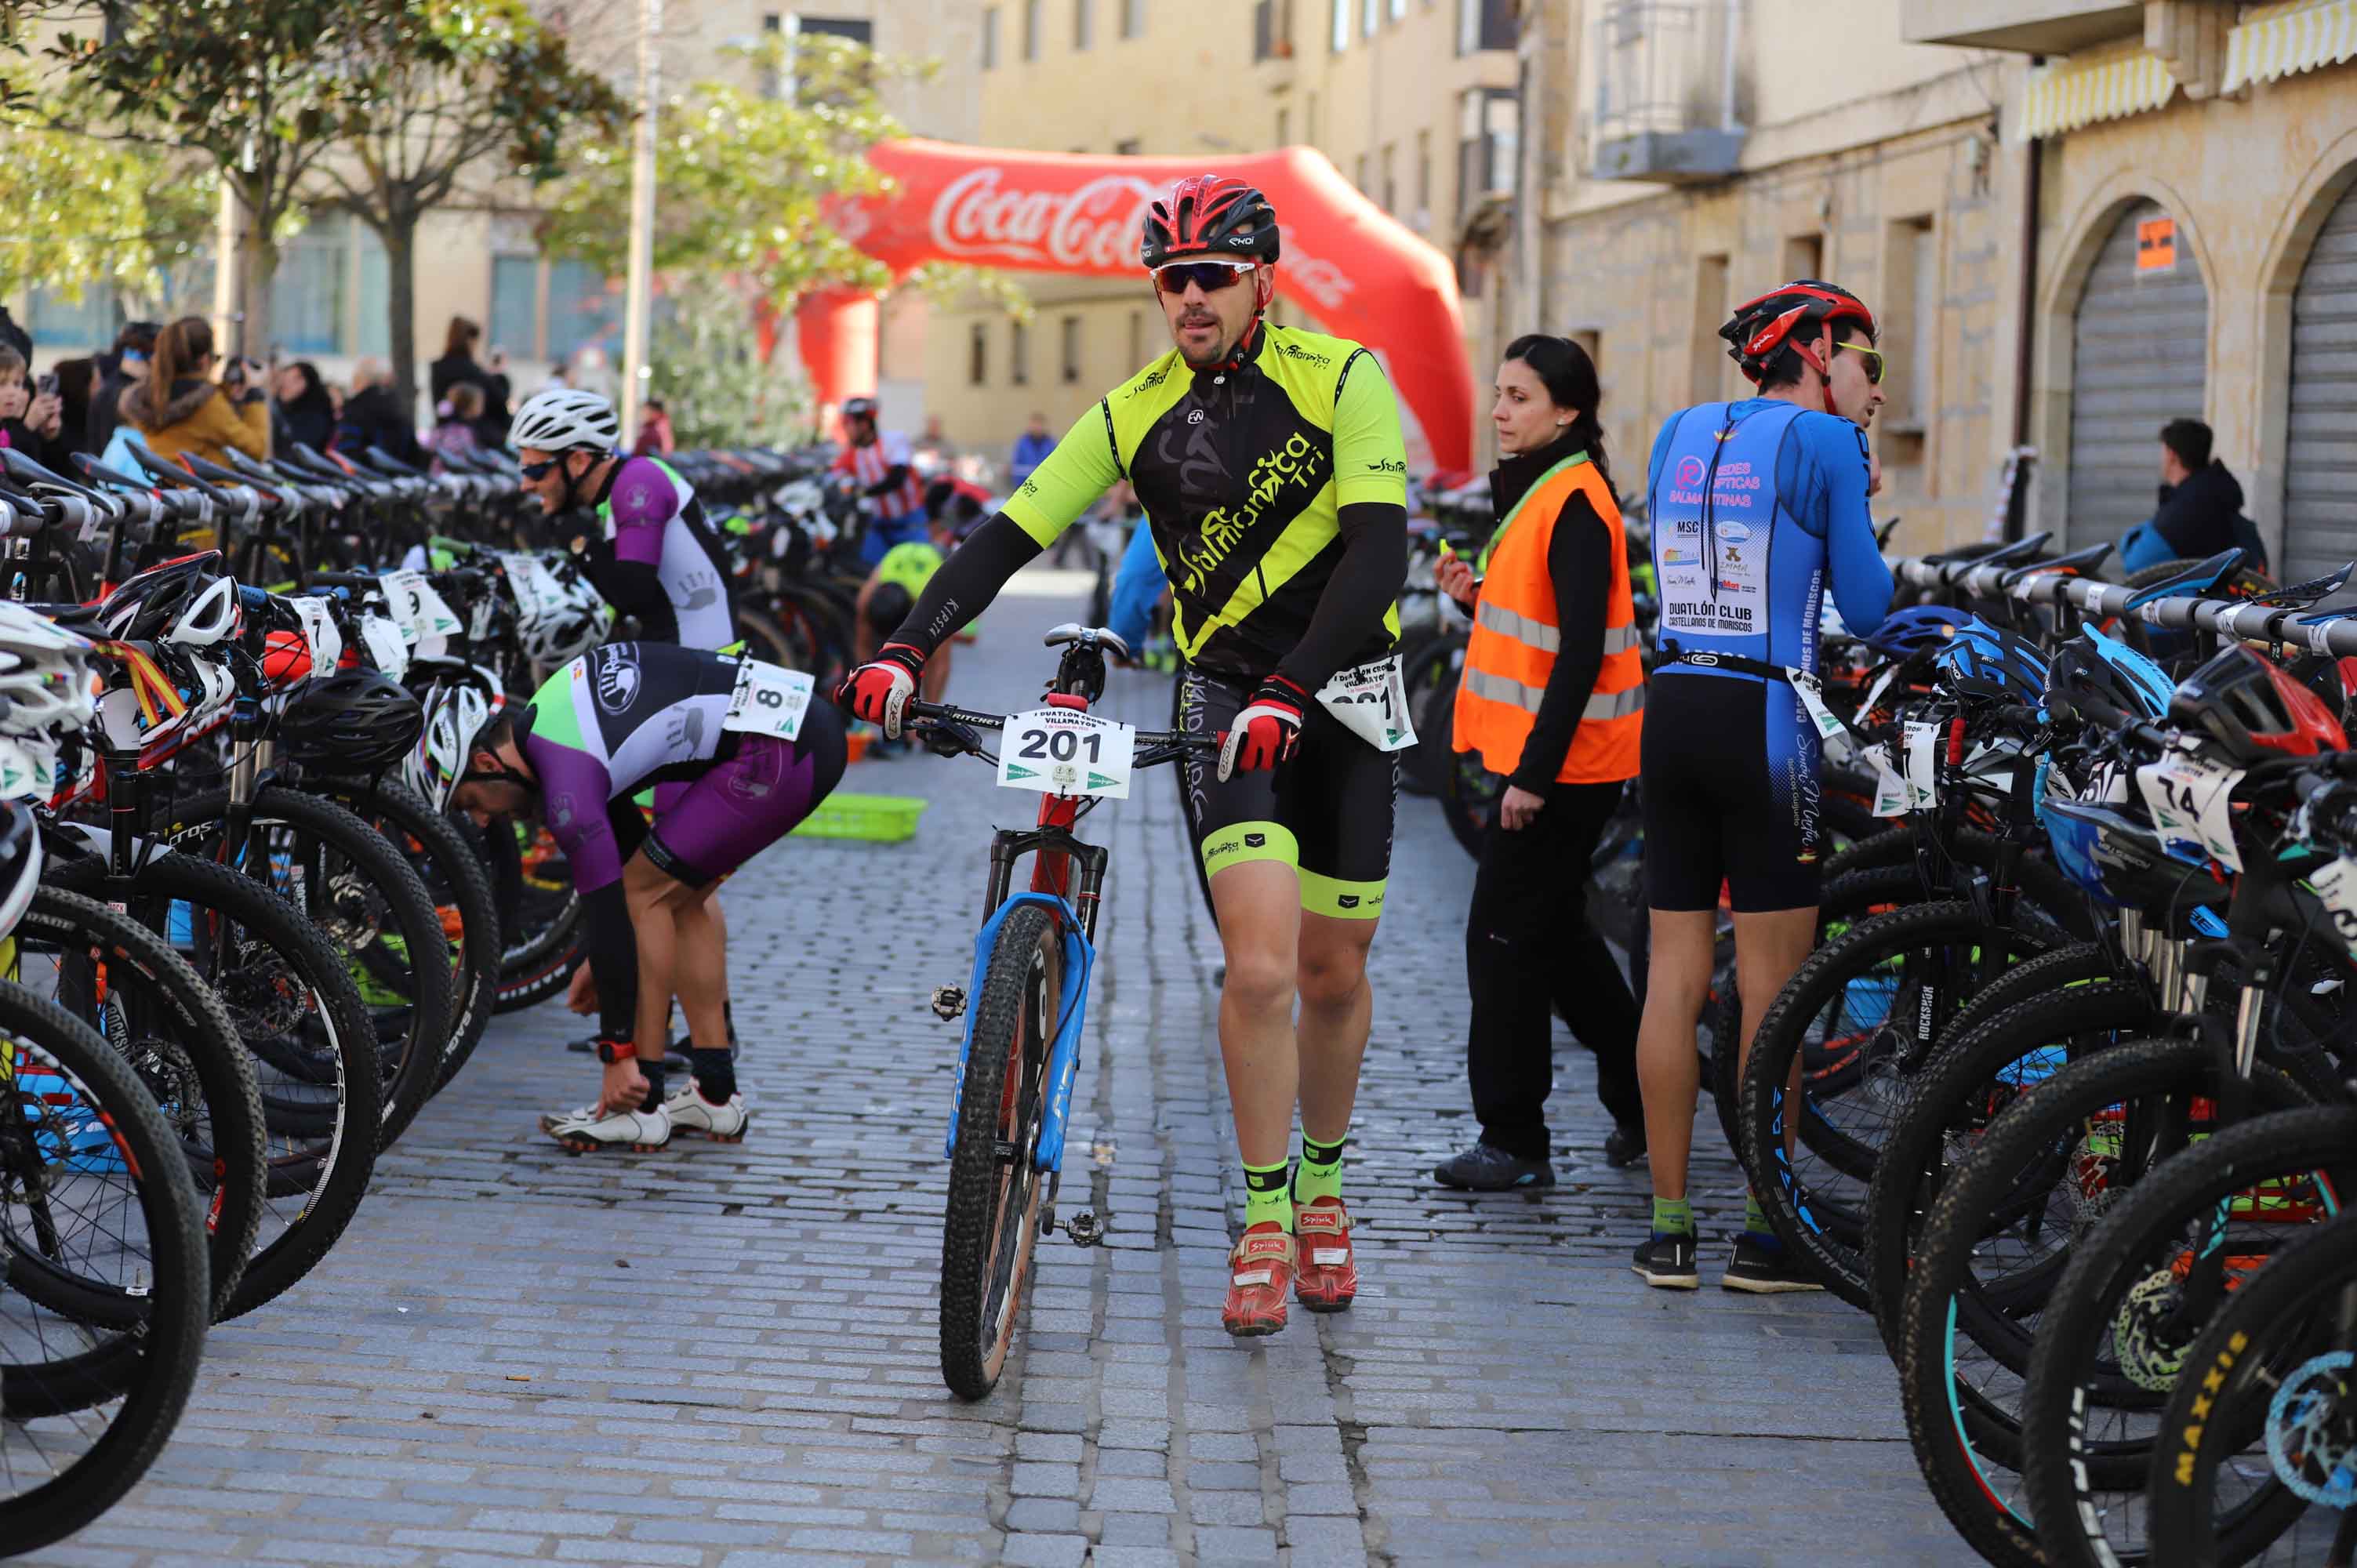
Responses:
[1485,1167]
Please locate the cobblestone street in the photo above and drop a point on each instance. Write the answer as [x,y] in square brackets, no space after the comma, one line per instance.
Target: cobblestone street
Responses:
[724,1357]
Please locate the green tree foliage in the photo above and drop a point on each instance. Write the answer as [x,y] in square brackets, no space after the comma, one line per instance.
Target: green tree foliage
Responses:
[709,374]
[449,89]
[747,177]
[260,90]
[85,211]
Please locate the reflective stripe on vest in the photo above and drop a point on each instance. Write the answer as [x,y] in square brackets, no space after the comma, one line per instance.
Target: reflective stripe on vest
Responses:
[1517,637]
[1600,705]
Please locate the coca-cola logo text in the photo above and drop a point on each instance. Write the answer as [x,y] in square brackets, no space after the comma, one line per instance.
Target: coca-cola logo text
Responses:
[1096,225]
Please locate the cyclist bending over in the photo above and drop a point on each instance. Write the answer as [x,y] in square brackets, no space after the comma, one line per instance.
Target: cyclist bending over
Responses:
[1758,506]
[886,599]
[1269,461]
[656,558]
[603,728]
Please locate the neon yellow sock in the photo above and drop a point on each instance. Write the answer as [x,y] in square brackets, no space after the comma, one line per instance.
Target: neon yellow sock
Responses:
[1264,1196]
[1320,1172]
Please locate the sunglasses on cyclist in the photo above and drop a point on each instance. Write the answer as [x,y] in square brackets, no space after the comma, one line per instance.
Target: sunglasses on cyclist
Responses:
[1872,358]
[1172,278]
[536,472]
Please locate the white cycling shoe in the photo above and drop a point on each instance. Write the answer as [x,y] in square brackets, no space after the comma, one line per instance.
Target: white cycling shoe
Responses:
[586,1130]
[693,1114]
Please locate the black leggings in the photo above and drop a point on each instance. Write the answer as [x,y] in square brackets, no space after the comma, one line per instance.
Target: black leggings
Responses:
[1530,949]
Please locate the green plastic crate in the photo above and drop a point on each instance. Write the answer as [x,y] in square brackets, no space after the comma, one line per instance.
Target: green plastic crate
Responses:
[878,819]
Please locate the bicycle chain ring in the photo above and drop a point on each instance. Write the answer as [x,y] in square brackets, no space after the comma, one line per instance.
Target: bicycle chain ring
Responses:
[2312,1430]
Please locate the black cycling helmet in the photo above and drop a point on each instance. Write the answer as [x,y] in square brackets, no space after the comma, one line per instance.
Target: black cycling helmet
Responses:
[859,408]
[355,721]
[2093,666]
[888,606]
[1210,214]
[1789,317]
[2253,709]
[189,599]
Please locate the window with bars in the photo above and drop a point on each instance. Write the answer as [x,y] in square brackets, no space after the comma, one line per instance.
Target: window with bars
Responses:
[1080,24]
[990,38]
[1133,18]
[1030,29]
[1071,348]
[1019,354]
[977,355]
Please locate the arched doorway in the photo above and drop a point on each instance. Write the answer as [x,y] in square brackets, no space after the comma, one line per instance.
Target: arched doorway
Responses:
[2140,355]
[2319,512]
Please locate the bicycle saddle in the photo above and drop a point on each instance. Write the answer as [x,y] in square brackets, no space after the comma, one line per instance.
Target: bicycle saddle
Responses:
[2315,591]
[1093,636]
[2081,560]
[172,474]
[1968,555]
[2192,581]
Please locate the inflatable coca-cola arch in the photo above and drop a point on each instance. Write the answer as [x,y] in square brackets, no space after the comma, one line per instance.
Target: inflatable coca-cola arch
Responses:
[1358,271]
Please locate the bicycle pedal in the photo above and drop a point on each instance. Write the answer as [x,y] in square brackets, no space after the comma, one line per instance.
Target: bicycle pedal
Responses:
[948,1002]
[1085,1228]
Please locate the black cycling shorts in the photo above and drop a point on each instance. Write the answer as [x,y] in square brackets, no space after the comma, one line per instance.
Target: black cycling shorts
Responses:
[1732,795]
[1327,812]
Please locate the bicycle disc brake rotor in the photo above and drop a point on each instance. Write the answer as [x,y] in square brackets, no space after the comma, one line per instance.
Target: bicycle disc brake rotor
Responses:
[2312,1430]
[2148,1355]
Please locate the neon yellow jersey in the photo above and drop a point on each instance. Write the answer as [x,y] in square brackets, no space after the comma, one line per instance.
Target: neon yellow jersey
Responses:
[1243,476]
[909,566]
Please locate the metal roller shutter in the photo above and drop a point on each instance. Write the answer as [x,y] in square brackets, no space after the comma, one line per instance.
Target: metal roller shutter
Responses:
[2142,342]
[2320,441]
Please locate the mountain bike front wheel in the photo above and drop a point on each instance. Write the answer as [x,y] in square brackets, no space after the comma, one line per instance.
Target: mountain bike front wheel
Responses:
[991,1220]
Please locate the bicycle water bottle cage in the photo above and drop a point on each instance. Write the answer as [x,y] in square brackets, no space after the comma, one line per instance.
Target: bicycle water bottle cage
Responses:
[2191,582]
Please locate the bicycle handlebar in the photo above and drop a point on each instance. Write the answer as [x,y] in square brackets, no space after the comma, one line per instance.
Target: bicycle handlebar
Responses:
[2238,619]
[1175,741]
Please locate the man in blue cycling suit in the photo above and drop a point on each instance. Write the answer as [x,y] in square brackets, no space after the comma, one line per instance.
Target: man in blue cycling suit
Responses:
[1758,508]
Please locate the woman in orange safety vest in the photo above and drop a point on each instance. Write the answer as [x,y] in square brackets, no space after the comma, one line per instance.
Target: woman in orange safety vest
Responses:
[1552,697]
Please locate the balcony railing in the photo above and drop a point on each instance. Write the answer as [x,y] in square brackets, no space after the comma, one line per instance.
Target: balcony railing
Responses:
[1666,89]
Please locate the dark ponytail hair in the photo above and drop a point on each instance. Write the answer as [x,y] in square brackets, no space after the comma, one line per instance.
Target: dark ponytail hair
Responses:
[1564,368]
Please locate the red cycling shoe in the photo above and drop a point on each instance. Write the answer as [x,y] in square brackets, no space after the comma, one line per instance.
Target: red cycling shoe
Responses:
[1259,1271]
[1328,1276]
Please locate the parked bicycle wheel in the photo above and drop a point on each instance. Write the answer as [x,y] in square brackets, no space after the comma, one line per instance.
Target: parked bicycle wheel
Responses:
[1871,1005]
[994,1199]
[298,1012]
[539,914]
[2257,1460]
[1995,1241]
[453,873]
[93,1203]
[2156,1271]
[175,1035]
[365,898]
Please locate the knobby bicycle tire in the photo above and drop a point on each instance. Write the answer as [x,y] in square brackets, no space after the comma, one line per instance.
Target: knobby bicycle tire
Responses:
[411,1033]
[2279,1323]
[459,880]
[173,1032]
[34,1393]
[1825,1227]
[989,1226]
[2067,1470]
[321,1122]
[1964,1085]
[540,917]
[1967,1442]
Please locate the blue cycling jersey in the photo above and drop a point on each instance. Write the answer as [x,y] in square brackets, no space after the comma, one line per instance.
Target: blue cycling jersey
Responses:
[1138,585]
[1754,505]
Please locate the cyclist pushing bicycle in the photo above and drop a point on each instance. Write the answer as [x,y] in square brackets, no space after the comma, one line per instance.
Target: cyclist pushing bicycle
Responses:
[1269,463]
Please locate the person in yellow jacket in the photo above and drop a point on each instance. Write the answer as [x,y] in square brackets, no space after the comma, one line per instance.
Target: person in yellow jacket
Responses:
[1552,697]
[178,410]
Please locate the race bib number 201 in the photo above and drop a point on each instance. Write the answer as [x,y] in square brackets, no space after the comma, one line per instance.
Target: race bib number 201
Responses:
[1061,751]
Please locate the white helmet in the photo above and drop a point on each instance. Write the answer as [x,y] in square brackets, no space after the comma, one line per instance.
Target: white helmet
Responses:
[20,863]
[570,623]
[456,712]
[566,419]
[45,676]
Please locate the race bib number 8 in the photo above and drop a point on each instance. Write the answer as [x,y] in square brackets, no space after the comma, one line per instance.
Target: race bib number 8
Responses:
[1060,751]
[769,700]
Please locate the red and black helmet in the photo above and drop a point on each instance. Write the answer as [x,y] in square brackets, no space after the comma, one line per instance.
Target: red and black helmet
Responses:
[2252,706]
[1210,214]
[1790,315]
